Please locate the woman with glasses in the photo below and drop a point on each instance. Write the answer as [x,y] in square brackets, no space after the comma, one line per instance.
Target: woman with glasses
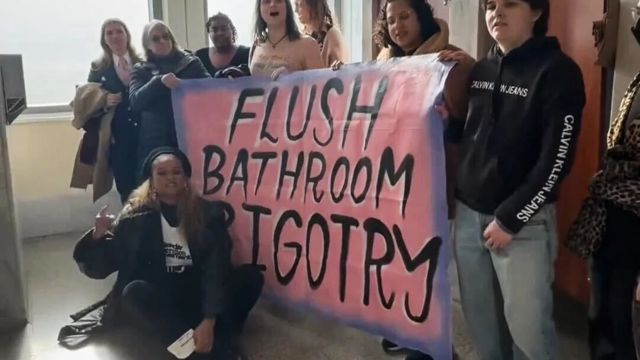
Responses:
[225,58]
[151,84]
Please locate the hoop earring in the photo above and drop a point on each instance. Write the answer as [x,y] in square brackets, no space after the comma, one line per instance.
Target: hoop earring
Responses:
[154,194]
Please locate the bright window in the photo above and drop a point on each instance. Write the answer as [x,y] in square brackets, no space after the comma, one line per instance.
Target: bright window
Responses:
[241,14]
[59,39]
[356,27]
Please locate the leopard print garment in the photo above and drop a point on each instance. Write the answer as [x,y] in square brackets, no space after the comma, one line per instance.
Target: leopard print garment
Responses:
[618,182]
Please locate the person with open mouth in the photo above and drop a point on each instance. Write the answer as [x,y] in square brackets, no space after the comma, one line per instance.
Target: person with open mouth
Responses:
[279,47]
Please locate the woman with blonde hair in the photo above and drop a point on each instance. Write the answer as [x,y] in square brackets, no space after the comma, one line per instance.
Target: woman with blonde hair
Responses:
[112,70]
[152,81]
[318,22]
[171,250]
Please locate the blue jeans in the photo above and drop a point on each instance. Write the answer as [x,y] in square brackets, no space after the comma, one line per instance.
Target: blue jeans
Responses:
[506,294]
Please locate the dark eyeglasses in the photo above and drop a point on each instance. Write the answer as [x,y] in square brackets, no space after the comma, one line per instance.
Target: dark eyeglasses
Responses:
[157,38]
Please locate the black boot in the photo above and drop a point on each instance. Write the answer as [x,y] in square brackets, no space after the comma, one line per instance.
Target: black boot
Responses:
[390,347]
[417,355]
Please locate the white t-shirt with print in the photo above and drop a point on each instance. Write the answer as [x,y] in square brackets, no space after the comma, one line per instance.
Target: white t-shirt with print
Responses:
[176,249]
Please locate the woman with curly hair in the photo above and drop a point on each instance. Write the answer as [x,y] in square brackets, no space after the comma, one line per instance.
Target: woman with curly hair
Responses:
[225,58]
[409,28]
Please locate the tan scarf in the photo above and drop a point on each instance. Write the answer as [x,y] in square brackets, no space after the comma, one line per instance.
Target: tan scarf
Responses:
[618,182]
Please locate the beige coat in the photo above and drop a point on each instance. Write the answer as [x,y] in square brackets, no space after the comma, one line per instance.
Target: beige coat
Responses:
[89,99]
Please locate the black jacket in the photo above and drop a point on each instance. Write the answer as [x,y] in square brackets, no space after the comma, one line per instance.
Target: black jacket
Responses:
[149,97]
[135,250]
[124,127]
[240,60]
[521,133]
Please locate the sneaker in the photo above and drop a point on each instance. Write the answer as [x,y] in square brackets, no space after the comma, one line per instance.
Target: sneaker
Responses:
[416,355]
[390,347]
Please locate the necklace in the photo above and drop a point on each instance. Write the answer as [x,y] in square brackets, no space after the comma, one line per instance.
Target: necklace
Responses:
[273,45]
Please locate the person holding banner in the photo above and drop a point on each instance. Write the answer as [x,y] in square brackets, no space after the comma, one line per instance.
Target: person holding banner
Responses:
[517,145]
[151,84]
[171,250]
[315,16]
[408,28]
[225,59]
[279,46]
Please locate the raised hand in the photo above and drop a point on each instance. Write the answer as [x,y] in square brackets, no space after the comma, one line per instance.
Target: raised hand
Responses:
[104,220]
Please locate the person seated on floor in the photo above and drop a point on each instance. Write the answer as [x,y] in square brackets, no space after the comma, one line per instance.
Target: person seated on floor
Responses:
[171,250]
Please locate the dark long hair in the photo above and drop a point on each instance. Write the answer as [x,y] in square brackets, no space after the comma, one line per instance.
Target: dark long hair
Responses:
[320,14]
[260,27]
[106,59]
[428,25]
[542,24]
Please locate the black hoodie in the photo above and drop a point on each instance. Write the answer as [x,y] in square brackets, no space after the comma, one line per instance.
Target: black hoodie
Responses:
[521,132]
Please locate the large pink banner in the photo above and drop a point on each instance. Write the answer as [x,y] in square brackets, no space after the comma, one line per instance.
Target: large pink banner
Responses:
[336,187]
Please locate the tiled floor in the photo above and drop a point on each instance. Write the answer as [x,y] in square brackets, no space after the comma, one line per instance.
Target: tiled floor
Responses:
[56,289]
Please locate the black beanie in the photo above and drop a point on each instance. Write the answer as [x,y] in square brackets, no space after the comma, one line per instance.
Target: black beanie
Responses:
[165,150]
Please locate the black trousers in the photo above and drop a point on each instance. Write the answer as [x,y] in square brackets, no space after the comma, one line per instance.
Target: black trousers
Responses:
[124,164]
[153,309]
[615,269]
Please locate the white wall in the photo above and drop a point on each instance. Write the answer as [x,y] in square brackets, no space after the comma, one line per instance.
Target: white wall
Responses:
[42,152]
[467,29]
[186,18]
[628,56]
